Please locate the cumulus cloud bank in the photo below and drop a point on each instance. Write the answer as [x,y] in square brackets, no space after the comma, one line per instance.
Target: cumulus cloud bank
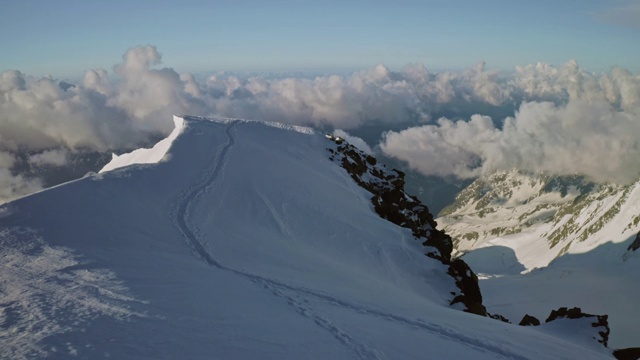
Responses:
[40,115]
[591,128]
[568,120]
[14,185]
[55,157]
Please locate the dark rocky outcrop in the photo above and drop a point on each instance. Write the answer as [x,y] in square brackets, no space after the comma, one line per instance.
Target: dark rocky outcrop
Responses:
[392,203]
[529,320]
[500,317]
[627,354]
[467,282]
[601,321]
[441,242]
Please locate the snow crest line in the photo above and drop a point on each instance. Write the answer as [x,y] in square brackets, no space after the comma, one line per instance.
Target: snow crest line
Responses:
[275,287]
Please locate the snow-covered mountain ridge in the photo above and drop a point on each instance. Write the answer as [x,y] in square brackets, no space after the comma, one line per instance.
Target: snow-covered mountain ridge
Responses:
[541,217]
[391,202]
[540,242]
[245,241]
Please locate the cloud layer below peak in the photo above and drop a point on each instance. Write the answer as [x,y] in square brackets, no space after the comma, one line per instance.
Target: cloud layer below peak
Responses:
[564,119]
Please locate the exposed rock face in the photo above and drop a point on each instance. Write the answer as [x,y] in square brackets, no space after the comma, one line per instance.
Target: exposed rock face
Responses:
[635,245]
[467,282]
[499,317]
[627,354]
[392,203]
[601,321]
[529,320]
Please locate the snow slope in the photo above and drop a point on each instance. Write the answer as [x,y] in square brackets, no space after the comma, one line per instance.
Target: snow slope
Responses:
[542,217]
[244,242]
[575,234]
[599,282]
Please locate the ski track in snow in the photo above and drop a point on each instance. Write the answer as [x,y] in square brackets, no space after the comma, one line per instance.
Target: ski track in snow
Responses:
[183,204]
[360,350]
[277,288]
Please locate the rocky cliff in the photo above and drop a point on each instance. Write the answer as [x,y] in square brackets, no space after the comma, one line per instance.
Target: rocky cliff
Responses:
[391,202]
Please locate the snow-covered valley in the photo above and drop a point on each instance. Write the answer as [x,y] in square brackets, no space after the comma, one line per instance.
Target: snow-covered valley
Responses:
[539,242]
[237,240]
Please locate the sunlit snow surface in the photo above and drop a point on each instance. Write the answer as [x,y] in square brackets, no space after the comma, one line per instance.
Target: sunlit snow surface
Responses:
[245,242]
[594,270]
[147,156]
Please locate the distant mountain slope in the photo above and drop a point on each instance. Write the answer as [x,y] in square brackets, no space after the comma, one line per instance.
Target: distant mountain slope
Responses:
[602,281]
[577,232]
[244,242]
[541,217]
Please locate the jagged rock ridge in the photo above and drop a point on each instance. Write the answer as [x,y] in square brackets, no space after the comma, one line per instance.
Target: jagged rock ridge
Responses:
[601,321]
[392,203]
[576,313]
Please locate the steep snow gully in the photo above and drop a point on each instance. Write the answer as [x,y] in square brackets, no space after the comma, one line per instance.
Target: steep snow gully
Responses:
[280,289]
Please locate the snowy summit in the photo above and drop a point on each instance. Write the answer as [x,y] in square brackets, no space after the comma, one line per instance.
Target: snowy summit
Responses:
[237,240]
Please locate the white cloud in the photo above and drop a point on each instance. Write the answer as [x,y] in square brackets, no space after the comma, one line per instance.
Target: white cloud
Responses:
[101,113]
[564,110]
[13,186]
[354,140]
[110,111]
[377,94]
[6,160]
[589,137]
[56,157]
[569,121]
[449,148]
[146,94]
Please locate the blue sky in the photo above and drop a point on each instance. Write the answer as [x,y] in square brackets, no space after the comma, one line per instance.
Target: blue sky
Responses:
[64,38]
